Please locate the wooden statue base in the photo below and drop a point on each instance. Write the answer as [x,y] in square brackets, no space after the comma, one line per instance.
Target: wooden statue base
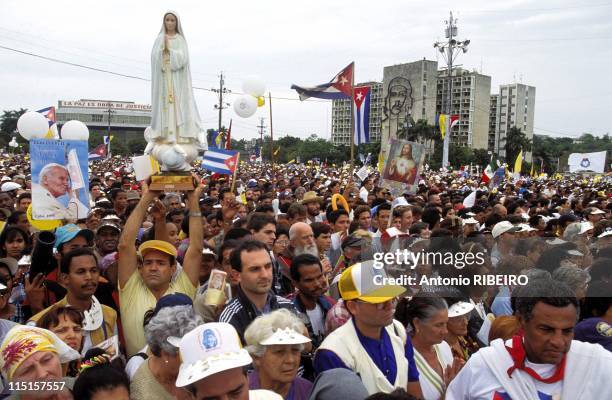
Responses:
[172,181]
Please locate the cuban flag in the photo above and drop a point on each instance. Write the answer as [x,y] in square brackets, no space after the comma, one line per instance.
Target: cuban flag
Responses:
[49,113]
[362,114]
[336,89]
[98,152]
[220,161]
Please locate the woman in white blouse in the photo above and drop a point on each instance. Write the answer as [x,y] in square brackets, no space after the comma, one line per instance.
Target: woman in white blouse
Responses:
[428,315]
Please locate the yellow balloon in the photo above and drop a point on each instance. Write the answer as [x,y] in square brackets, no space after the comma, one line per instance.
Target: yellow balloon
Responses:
[42,224]
[261,101]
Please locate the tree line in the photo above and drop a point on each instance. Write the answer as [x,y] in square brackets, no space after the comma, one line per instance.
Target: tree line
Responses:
[546,150]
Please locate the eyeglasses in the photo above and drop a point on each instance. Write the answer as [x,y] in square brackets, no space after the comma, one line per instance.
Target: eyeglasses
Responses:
[282,242]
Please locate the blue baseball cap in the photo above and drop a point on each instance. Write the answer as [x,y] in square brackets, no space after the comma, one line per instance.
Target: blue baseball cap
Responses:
[171,300]
[68,232]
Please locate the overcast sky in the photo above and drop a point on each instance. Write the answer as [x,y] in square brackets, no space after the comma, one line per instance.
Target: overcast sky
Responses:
[563,48]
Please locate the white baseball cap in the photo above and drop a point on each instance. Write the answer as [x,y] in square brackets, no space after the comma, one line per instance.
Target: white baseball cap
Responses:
[585,226]
[526,228]
[605,233]
[208,252]
[503,227]
[470,220]
[8,186]
[209,349]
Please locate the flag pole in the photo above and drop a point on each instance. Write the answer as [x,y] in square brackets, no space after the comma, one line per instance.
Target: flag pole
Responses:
[234,174]
[352,100]
[271,134]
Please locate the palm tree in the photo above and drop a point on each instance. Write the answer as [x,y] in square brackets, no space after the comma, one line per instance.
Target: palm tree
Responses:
[422,132]
[516,140]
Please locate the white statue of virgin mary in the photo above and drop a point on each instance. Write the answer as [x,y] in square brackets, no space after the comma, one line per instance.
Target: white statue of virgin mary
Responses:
[176,132]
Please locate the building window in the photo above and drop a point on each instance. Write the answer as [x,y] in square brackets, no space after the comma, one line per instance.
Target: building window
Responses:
[97,117]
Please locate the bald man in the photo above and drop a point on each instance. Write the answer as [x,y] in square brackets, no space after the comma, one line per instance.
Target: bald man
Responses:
[54,183]
[500,210]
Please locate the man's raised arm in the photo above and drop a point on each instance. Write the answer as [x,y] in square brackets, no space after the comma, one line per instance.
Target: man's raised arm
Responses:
[127,262]
[193,257]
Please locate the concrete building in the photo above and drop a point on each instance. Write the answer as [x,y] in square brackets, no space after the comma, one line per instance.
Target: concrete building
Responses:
[409,95]
[127,119]
[341,116]
[471,101]
[493,144]
[406,95]
[515,108]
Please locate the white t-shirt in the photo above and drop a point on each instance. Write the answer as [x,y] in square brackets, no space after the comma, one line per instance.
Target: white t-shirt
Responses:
[317,320]
[475,381]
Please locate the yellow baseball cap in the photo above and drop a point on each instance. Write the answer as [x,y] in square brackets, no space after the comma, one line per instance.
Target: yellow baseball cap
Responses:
[158,245]
[363,281]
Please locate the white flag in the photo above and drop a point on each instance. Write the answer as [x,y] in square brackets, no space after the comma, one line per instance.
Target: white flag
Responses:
[595,162]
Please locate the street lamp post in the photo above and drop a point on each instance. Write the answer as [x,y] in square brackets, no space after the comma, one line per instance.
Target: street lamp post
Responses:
[450,49]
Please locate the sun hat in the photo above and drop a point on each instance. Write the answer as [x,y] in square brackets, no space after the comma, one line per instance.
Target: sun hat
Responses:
[311,197]
[285,336]
[209,349]
[460,308]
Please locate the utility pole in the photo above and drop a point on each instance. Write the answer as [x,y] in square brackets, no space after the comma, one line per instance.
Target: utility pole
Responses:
[262,130]
[450,50]
[110,112]
[221,91]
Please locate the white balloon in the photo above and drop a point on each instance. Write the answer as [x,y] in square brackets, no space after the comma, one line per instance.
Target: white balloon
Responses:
[75,130]
[245,106]
[254,86]
[147,133]
[32,125]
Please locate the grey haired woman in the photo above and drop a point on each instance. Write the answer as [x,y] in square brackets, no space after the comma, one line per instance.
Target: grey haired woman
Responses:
[156,377]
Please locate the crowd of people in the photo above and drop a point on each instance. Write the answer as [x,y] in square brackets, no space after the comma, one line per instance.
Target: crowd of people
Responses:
[265,288]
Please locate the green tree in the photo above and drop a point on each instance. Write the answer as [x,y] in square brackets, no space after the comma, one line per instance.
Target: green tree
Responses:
[8,124]
[516,140]
[239,145]
[459,156]
[481,157]
[8,127]
[137,145]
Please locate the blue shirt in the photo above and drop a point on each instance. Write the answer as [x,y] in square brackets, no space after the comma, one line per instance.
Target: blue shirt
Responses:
[380,351]
[501,304]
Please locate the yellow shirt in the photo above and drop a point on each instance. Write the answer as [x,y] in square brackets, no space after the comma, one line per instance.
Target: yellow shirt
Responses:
[136,299]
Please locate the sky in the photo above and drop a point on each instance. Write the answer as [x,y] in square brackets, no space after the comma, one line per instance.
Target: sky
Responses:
[560,47]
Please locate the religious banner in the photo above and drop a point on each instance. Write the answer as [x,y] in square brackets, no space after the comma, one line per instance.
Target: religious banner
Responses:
[60,180]
[595,162]
[401,168]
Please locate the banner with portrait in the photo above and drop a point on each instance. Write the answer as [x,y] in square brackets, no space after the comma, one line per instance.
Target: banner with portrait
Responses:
[60,179]
[400,173]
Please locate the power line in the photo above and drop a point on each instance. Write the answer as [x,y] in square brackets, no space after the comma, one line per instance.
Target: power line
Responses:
[106,71]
